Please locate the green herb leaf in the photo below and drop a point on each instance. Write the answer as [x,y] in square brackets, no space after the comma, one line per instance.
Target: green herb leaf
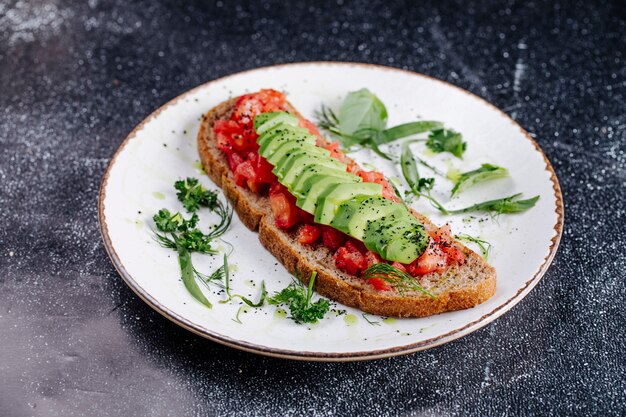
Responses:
[361,110]
[408,129]
[188,276]
[446,140]
[193,195]
[486,172]
[298,297]
[506,205]
[399,280]
[485,247]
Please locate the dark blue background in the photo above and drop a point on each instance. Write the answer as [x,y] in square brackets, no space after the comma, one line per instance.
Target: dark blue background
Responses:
[76,77]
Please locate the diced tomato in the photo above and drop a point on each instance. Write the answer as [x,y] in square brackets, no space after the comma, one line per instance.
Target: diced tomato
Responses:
[250,105]
[228,134]
[234,159]
[254,170]
[354,245]
[335,152]
[309,234]
[333,239]
[372,258]
[443,237]
[305,217]
[353,262]
[434,259]
[379,178]
[379,284]
[454,253]
[399,266]
[285,211]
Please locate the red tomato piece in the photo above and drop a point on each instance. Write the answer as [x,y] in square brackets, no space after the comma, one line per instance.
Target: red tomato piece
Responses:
[372,258]
[227,132]
[379,284]
[333,239]
[434,259]
[250,105]
[309,234]
[285,211]
[379,178]
[352,262]
[399,266]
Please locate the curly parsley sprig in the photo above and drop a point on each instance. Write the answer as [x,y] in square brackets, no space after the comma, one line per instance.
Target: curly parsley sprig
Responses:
[298,297]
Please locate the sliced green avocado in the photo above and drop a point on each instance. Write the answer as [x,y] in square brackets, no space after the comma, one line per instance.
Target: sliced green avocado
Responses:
[318,184]
[265,121]
[290,148]
[353,216]
[298,165]
[398,237]
[334,195]
[304,149]
[280,130]
[269,146]
[302,185]
[409,246]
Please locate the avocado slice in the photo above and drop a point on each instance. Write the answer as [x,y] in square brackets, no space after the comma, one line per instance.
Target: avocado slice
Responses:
[398,237]
[318,184]
[302,185]
[302,149]
[334,195]
[269,146]
[353,216]
[265,121]
[298,165]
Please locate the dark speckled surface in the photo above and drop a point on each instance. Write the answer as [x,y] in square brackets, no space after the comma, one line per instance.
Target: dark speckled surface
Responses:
[76,77]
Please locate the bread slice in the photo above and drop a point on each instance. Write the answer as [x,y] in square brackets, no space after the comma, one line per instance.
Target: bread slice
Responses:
[459,287]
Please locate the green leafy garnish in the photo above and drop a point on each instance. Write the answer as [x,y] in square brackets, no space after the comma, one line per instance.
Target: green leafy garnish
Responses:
[485,247]
[361,110]
[226,274]
[486,172]
[506,205]
[178,232]
[446,140]
[399,280]
[182,235]
[298,297]
[420,187]
[193,195]
[362,120]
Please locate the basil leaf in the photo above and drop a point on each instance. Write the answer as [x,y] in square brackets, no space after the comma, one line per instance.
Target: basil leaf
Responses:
[361,110]
[409,168]
[486,172]
[447,140]
[505,205]
[408,129]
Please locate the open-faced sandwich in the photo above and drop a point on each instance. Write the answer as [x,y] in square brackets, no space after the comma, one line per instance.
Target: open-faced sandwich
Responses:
[316,210]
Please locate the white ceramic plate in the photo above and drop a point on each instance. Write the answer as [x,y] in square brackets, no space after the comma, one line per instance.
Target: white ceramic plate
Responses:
[162,149]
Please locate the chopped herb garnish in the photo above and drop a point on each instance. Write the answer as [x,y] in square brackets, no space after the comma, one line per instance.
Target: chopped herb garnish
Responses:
[446,140]
[486,172]
[298,297]
[193,195]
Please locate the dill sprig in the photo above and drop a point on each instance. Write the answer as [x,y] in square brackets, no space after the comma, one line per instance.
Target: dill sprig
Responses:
[399,280]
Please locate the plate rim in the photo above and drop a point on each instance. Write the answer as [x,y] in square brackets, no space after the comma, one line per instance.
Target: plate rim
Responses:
[338,356]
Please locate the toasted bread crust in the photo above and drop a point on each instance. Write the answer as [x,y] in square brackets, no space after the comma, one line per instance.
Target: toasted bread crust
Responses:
[458,288]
